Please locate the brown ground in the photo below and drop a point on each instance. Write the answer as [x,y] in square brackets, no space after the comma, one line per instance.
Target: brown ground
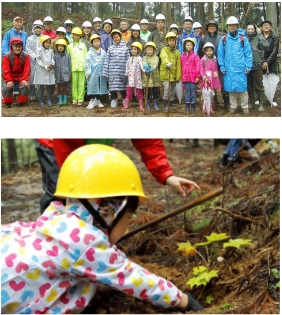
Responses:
[251,190]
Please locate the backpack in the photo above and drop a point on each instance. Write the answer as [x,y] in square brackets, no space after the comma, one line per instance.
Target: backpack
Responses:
[11,58]
[241,39]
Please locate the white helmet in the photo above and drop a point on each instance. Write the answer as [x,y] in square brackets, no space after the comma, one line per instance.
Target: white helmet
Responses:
[37,23]
[160,17]
[97,19]
[70,22]
[144,21]
[61,29]
[232,20]
[135,27]
[208,44]
[48,19]
[108,21]
[188,18]
[86,24]
[173,26]
[197,25]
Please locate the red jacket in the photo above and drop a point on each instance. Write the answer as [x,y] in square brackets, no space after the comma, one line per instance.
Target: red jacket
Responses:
[152,152]
[17,73]
[46,142]
[50,33]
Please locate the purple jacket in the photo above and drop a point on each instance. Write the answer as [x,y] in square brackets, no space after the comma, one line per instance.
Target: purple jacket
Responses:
[190,66]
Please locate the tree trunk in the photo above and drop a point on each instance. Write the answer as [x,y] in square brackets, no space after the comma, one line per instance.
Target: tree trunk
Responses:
[230,9]
[50,8]
[95,9]
[271,14]
[247,8]
[168,13]
[201,11]
[32,15]
[138,10]
[3,168]
[210,11]
[12,155]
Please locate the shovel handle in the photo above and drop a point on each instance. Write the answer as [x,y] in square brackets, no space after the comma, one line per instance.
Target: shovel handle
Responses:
[168,92]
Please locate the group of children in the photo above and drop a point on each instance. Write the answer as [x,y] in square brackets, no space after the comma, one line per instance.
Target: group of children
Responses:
[122,70]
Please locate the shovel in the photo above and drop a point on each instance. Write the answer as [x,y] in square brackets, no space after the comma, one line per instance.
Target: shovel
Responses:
[168,92]
[146,96]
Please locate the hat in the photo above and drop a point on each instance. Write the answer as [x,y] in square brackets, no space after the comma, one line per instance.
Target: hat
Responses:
[17,18]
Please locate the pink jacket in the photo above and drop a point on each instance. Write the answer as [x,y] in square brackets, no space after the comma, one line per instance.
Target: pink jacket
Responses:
[190,67]
[209,69]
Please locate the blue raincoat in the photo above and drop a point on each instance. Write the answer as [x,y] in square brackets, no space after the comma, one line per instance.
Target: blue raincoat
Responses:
[234,59]
[93,64]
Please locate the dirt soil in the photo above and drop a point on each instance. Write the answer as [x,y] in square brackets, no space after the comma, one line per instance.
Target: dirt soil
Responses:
[249,208]
[34,110]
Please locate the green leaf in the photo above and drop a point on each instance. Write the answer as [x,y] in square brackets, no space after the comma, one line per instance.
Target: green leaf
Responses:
[212,274]
[215,237]
[199,269]
[186,248]
[237,243]
[275,273]
[277,285]
[209,299]
[202,276]
[202,243]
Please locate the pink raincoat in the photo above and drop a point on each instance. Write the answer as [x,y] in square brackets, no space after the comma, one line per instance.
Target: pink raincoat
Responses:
[190,67]
[209,69]
[55,264]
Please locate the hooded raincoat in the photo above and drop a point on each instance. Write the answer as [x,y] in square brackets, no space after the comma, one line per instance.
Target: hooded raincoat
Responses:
[32,44]
[154,78]
[62,67]
[209,70]
[190,66]
[106,40]
[96,84]
[167,55]
[44,57]
[234,59]
[114,66]
[55,265]
[134,70]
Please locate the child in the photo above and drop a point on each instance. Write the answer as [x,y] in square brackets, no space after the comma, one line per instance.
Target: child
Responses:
[77,51]
[56,264]
[133,75]
[209,71]
[190,73]
[114,67]
[152,74]
[16,72]
[32,43]
[62,70]
[44,71]
[96,83]
[170,68]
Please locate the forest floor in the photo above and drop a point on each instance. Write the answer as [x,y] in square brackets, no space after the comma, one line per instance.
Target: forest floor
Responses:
[34,110]
[248,208]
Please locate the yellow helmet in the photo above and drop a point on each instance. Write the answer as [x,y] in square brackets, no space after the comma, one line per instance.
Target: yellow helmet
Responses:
[61,42]
[188,39]
[76,30]
[170,35]
[137,44]
[150,44]
[94,36]
[98,171]
[44,38]
[115,31]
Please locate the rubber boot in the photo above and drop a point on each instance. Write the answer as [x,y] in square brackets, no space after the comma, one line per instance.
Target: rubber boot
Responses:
[193,107]
[226,101]
[188,107]
[60,102]
[40,96]
[170,104]
[148,105]
[214,103]
[261,100]
[156,104]
[126,103]
[165,105]
[141,105]
[65,99]
[49,96]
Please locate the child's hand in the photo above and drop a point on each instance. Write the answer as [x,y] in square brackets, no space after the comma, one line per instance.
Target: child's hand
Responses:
[47,68]
[169,65]
[50,66]
[197,80]
[10,84]
[207,80]
[87,77]
[215,75]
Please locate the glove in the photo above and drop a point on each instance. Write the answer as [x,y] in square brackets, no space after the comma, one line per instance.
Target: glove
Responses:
[146,67]
[192,305]
[273,147]
[253,153]
[50,66]
[47,68]
[151,70]
[126,80]
[147,73]
[169,65]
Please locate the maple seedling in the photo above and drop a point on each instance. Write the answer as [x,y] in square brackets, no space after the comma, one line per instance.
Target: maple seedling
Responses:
[202,276]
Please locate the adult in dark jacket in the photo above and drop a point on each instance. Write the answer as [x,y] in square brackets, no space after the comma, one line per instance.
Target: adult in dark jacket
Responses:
[258,44]
[158,36]
[270,54]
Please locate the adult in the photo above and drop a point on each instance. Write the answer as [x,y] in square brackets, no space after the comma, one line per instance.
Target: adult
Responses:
[68,25]
[125,32]
[86,33]
[16,31]
[106,38]
[235,62]
[198,29]
[152,151]
[135,37]
[60,34]
[97,25]
[32,44]
[145,33]
[258,45]
[158,36]
[48,27]
[187,32]
[270,54]
[212,36]
[16,72]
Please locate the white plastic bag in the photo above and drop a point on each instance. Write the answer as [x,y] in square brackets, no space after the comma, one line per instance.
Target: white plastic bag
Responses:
[179,91]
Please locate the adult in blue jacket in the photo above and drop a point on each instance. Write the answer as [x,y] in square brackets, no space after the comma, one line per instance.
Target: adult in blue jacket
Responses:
[16,31]
[187,32]
[235,61]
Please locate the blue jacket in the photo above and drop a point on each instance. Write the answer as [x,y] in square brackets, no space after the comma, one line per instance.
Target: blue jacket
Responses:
[11,34]
[106,40]
[234,59]
[185,35]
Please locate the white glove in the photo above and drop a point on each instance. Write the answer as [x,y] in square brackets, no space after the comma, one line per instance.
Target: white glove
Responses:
[253,153]
[46,68]
[169,65]
[273,147]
